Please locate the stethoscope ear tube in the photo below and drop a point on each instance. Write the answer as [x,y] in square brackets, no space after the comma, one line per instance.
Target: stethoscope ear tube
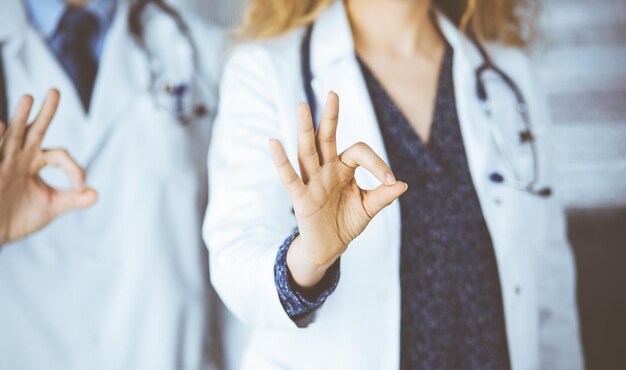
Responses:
[481,91]
[4,99]
[307,73]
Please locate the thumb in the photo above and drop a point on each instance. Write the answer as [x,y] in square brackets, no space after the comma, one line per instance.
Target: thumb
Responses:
[65,201]
[375,200]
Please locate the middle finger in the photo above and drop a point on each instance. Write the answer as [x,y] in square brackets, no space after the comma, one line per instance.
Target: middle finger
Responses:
[308,158]
[327,132]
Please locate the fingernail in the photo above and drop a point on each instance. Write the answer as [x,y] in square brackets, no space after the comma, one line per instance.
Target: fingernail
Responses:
[390,178]
[406,186]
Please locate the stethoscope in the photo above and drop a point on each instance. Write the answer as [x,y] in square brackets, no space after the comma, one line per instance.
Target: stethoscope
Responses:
[173,97]
[176,98]
[526,136]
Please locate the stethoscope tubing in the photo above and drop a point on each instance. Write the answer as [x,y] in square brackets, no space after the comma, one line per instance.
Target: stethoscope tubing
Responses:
[4,99]
[137,30]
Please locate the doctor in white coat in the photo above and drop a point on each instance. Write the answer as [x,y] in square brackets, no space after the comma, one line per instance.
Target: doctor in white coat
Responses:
[252,215]
[123,284]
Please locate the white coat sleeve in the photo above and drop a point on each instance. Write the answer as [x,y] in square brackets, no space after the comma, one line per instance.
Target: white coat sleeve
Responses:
[560,342]
[249,213]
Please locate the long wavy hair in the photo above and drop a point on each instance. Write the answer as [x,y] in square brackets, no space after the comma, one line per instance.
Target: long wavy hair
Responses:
[510,22]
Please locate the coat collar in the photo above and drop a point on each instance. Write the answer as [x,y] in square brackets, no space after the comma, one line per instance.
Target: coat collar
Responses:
[333,24]
[121,61]
[123,77]
[45,15]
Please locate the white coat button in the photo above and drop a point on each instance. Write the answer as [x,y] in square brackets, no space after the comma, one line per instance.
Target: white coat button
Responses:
[497,201]
[518,290]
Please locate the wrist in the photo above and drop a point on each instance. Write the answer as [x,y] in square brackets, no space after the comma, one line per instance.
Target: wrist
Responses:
[306,272]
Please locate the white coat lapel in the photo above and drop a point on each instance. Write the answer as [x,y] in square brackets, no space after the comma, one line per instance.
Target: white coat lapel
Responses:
[483,156]
[123,72]
[475,131]
[36,69]
[33,69]
[123,77]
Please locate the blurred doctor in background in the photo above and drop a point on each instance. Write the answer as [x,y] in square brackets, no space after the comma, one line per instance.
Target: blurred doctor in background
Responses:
[123,284]
[470,269]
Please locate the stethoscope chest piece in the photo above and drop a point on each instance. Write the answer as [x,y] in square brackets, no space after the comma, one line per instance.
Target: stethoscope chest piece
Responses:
[178,100]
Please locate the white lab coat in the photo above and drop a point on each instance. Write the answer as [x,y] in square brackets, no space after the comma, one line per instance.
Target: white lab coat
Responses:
[358,327]
[124,284]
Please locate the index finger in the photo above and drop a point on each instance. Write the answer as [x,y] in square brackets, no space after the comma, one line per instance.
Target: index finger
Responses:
[61,158]
[290,179]
[361,154]
[38,128]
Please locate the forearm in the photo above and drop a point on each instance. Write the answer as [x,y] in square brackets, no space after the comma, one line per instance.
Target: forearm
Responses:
[246,222]
[299,302]
[242,272]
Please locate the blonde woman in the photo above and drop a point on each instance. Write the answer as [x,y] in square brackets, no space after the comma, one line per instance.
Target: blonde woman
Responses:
[340,267]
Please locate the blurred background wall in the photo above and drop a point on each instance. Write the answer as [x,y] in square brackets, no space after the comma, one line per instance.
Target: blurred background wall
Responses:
[581,66]
[583,71]
[224,12]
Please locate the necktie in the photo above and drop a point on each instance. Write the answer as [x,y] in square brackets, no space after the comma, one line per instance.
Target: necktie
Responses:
[78,29]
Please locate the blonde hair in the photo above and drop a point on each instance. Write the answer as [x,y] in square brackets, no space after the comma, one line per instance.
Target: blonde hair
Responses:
[507,21]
